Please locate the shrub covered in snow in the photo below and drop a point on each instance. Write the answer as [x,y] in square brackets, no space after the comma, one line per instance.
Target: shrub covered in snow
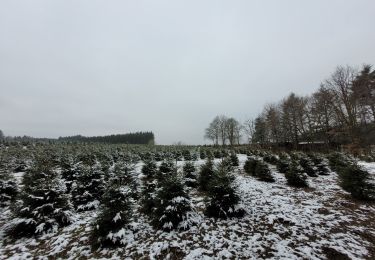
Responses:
[320,164]
[8,186]
[308,166]
[88,189]
[109,228]
[357,181]
[171,205]
[295,175]
[189,174]
[44,205]
[124,174]
[222,199]
[234,159]
[250,165]
[258,169]
[149,169]
[205,175]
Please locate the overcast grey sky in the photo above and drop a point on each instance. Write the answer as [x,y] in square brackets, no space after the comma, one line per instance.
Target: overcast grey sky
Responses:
[102,67]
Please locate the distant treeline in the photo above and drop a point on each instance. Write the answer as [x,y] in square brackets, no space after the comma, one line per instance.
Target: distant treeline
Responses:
[130,138]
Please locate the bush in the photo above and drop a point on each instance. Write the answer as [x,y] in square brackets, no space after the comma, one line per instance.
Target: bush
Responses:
[355,180]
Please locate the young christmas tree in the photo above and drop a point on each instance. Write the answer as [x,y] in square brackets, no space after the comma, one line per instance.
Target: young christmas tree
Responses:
[149,169]
[190,175]
[202,154]
[234,159]
[68,172]
[187,155]
[263,173]
[8,186]
[205,175]
[109,228]
[250,166]
[222,198]
[124,174]
[308,166]
[283,164]
[148,197]
[295,175]
[44,205]
[356,180]
[171,205]
[320,164]
[166,168]
[88,189]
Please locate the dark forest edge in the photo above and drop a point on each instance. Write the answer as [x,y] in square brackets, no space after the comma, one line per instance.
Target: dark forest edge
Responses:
[129,138]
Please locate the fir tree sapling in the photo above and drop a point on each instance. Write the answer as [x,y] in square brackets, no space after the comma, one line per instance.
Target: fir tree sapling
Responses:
[8,186]
[109,228]
[88,189]
[308,166]
[189,174]
[44,205]
[149,169]
[234,159]
[172,204]
[222,199]
[124,174]
[263,173]
[295,175]
[205,175]
[357,181]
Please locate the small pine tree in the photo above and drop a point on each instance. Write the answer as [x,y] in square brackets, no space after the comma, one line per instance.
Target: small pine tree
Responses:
[222,198]
[150,169]
[190,175]
[320,164]
[355,180]
[250,166]
[187,155]
[88,189]
[283,165]
[202,154]
[44,205]
[171,205]
[109,228]
[148,196]
[308,166]
[263,173]
[205,175]
[234,159]
[124,174]
[295,176]
[8,188]
[166,168]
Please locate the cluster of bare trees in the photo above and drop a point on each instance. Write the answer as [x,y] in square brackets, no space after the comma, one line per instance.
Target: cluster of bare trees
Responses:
[341,111]
[224,130]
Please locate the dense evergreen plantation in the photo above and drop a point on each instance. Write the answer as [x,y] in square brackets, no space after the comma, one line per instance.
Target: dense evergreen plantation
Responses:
[152,201]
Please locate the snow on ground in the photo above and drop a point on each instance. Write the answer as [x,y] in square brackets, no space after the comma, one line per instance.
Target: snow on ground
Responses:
[281,223]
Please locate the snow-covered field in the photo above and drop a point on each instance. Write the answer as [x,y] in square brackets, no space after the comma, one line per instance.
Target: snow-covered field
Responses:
[281,223]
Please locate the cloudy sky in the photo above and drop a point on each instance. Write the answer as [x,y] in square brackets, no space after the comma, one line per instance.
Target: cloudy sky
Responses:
[101,67]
